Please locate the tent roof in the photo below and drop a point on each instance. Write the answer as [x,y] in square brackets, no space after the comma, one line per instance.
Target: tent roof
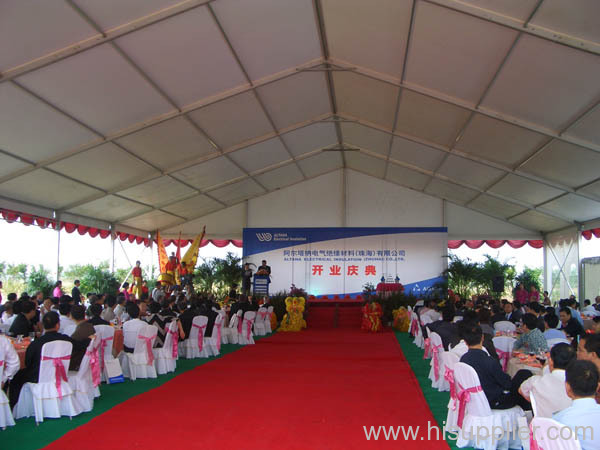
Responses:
[148,114]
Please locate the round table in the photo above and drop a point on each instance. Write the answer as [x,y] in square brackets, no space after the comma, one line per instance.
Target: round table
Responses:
[515,364]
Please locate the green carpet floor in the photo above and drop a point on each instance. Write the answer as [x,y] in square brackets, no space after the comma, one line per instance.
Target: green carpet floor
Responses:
[25,435]
[438,401]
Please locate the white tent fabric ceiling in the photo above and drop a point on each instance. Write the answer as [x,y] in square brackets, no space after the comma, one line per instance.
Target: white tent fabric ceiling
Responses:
[149,114]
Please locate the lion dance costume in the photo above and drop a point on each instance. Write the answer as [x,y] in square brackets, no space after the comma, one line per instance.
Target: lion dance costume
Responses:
[372,313]
[293,320]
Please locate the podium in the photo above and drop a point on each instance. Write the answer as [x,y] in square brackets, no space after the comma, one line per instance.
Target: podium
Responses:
[260,285]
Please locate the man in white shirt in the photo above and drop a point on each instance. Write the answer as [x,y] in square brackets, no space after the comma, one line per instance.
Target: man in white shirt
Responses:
[583,416]
[67,325]
[549,390]
[589,310]
[132,327]
[9,355]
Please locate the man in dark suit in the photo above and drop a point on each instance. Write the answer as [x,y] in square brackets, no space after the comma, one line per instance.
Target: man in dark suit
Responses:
[264,267]
[22,324]
[206,309]
[511,313]
[33,355]
[447,330]
[76,293]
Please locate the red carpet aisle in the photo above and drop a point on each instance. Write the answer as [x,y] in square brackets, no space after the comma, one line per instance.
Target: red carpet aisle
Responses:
[310,390]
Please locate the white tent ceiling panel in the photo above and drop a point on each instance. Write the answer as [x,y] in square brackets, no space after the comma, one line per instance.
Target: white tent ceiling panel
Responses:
[392,205]
[186,55]
[193,207]
[510,144]
[449,67]
[210,173]
[580,208]
[365,98]
[406,177]
[33,130]
[582,21]
[99,88]
[538,221]
[464,223]
[587,128]
[565,163]
[495,207]
[321,163]
[55,24]
[386,22]
[158,191]
[280,177]
[518,9]
[317,200]
[109,14]
[236,192]
[450,191]
[430,119]
[233,120]
[310,138]
[86,221]
[366,137]
[105,166]
[224,224]
[416,154]
[520,188]
[151,220]
[169,143]
[296,98]
[593,188]
[365,163]
[534,87]
[43,187]
[270,35]
[469,171]
[261,155]
[110,208]
[8,164]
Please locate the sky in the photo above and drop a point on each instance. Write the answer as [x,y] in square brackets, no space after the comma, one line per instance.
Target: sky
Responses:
[33,246]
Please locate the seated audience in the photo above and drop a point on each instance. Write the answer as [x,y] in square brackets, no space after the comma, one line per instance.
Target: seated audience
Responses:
[470,318]
[11,362]
[206,308]
[583,416]
[95,311]
[67,325]
[549,389]
[187,316]
[428,312]
[511,314]
[82,333]
[532,339]
[445,327]
[132,327]
[22,324]
[108,313]
[536,309]
[589,350]
[569,325]
[589,310]
[550,323]
[8,314]
[120,307]
[485,317]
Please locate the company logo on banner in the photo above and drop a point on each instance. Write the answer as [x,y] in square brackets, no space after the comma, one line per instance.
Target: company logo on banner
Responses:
[329,261]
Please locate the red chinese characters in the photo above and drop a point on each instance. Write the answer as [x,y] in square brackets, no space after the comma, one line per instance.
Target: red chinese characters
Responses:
[370,270]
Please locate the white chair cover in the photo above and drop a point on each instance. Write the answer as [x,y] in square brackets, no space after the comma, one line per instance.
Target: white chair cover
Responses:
[547,434]
[213,343]
[259,322]
[427,344]
[6,417]
[194,346]
[106,336]
[230,334]
[245,330]
[436,374]
[449,360]
[533,403]
[553,342]
[166,356]
[504,346]
[85,381]
[505,325]
[268,320]
[140,363]
[481,426]
[51,396]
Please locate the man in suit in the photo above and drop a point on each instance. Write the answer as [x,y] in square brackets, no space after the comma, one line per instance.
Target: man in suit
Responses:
[447,330]
[76,293]
[511,314]
[33,355]
[83,331]
[206,309]
[22,324]
[264,267]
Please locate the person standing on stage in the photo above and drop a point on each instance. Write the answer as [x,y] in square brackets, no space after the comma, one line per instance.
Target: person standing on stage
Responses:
[264,269]
[246,279]
[136,273]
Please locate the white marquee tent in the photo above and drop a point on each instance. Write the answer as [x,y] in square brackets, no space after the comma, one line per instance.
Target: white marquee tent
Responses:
[145,115]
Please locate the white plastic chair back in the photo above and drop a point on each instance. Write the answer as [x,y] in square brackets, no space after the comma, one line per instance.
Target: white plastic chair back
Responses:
[259,322]
[436,374]
[83,381]
[6,417]
[232,331]
[245,335]
[213,343]
[553,342]
[141,363]
[166,356]
[504,346]
[553,440]
[505,325]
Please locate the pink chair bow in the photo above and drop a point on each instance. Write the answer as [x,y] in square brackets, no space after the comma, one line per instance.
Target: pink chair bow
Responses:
[504,357]
[148,348]
[59,370]
[464,397]
[239,325]
[413,327]
[174,341]
[218,325]
[533,445]
[427,353]
[449,377]
[94,365]
[263,315]
[102,345]
[435,352]
[248,328]
[200,335]
[1,363]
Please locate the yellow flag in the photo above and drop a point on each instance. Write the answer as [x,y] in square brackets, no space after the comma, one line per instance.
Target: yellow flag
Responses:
[191,256]
[162,253]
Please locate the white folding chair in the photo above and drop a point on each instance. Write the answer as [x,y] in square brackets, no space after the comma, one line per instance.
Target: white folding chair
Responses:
[85,381]
[194,346]
[259,322]
[213,343]
[540,429]
[481,426]
[6,417]
[505,325]
[166,356]
[268,328]
[436,374]
[106,336]
[51,396]
[449,360]
[504,346]
[140,363]
[245,331]
[230,333]
[553,342]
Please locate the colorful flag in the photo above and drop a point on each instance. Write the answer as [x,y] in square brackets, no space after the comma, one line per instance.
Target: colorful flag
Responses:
[191,256]
[162,253]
